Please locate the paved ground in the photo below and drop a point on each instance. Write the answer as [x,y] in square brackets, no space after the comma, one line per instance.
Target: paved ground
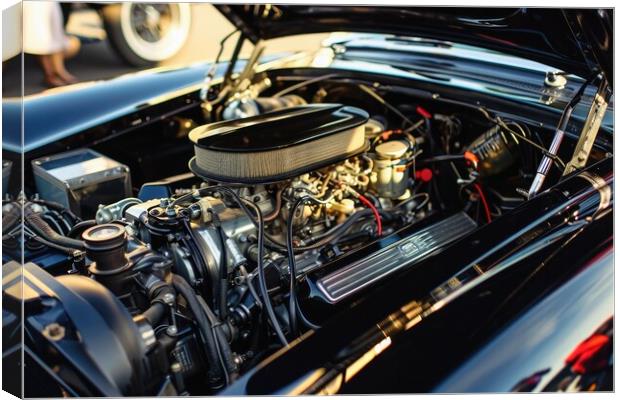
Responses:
[98,61]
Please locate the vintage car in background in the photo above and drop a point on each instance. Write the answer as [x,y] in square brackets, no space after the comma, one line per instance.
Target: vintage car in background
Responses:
[424,205]
[141,34]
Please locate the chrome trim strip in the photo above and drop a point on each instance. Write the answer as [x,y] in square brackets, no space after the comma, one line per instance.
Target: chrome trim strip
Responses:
[354,277]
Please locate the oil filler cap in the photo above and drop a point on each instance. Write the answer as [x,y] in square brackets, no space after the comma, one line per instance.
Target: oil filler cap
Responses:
[105,245]
[105,236]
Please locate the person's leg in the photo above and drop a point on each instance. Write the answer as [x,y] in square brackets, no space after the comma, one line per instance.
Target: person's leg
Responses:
[49,72]
[73,47]
[58,62]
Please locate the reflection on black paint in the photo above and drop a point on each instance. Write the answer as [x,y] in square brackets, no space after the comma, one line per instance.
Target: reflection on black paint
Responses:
[589,366]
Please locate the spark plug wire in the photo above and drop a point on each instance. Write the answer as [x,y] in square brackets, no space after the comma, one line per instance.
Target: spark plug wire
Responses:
[483,199]
[369,204]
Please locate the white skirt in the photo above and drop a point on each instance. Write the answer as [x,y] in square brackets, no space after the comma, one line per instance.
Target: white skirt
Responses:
[44,31]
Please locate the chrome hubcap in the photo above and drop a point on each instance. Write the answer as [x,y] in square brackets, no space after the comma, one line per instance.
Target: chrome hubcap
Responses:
[151,21]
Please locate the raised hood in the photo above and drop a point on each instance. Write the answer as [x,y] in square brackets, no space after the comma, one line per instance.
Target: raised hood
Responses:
[578,41]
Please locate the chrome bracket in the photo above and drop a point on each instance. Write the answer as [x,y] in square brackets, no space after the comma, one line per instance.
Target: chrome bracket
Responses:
[588,134]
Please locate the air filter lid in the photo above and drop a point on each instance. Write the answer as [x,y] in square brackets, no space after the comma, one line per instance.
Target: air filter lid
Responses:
[278,145]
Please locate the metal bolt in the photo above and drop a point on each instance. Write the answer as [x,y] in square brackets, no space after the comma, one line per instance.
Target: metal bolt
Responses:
[169,298]
[54,331]
[172,330]
[171,212]
[176,367]
[339,49]
[195,213]
[522,192]
[163,203]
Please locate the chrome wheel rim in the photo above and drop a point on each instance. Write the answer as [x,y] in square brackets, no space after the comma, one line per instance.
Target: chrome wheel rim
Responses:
[155,32]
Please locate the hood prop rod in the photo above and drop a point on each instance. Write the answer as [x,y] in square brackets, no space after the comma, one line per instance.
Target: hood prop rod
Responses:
[210,74]
[545,163]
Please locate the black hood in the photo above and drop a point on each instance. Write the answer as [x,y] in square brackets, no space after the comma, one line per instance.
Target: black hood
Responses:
[578,41]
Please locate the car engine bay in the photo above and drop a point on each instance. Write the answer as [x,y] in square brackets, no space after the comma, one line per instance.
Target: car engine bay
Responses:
[299,201]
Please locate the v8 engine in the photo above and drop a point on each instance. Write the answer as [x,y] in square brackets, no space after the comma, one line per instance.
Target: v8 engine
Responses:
[288,216]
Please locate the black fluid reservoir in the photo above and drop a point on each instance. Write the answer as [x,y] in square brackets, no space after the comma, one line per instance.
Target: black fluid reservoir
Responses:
[496,150]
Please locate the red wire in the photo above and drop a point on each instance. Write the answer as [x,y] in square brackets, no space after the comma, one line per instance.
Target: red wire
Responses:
[487,211]
[369,204]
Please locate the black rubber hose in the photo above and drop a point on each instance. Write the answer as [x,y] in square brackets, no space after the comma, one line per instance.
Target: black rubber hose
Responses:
[354,237]
[58,207]
[157,293]
[215,375]
[309,324]
[147,261]
[261,278]
[374,200]
[200,258]
[43,229]
[155,313]
[81,226]
[223,345]
[67,250]
[52,222]
[66,224]
[223,290]
[9,242]
[276,210]
[294,308]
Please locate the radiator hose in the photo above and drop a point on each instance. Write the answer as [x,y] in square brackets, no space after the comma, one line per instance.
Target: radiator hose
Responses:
[157,310]
[44,230]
